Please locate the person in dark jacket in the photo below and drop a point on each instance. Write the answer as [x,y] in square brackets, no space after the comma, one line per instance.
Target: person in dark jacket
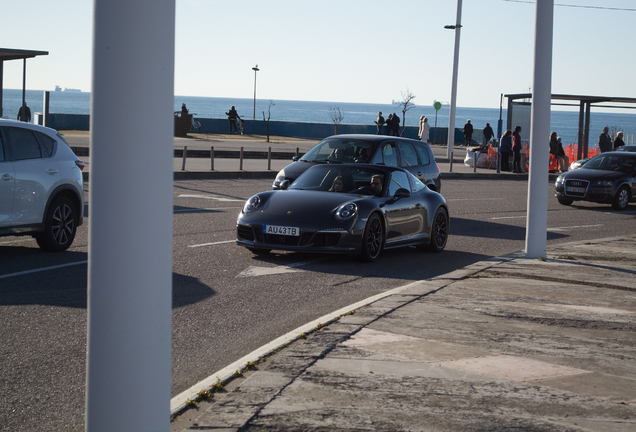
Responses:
[505,145]
[396,125]
[604,141]
[232,116]
[618,142]
[379,122]
[516,150]
[468,132]
[389,125]
[24,113]
[488,133]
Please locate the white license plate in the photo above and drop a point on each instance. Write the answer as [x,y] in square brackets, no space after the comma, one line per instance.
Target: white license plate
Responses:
[281,230]
[575,189]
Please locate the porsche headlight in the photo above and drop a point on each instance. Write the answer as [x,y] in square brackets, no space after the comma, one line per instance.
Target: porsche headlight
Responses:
[346,211]
[251,204]
[602,183]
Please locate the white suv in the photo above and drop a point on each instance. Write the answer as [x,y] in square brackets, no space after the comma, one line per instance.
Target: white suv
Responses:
[41,187]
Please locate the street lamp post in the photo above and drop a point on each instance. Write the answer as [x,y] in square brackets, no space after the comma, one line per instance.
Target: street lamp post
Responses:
[255,69]
[451,119]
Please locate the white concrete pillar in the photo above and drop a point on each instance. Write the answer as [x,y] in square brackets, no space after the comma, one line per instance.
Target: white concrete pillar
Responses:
[453,102]
[130,219]
[537,216]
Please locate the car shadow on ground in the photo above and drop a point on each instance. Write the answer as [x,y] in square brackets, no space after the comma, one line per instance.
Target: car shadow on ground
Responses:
[493,230]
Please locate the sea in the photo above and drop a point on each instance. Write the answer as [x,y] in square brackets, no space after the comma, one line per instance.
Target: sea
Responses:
[565,123]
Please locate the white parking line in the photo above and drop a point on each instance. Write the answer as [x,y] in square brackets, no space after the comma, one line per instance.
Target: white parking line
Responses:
[212,244]
[507,217]
[212,198]
[211,209]
[475,199]
[42,269]
[575,227]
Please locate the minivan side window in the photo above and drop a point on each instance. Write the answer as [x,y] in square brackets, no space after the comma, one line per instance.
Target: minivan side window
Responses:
[2,157]
[407,155]
[23,144]
[422,152]
[386,155]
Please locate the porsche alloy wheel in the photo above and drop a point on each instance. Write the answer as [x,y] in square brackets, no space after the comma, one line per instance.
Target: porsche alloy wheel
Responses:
[439,230]
[373,239]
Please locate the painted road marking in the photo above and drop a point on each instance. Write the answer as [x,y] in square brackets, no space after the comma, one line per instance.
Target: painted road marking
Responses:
[209,209]
[42,269]
[475,199]
[575,227]
[212,198]
[288,268]
[507,217]
[212,244]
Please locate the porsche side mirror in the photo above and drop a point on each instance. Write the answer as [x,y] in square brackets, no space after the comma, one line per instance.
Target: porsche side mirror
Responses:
[402,193]
[295,158]
[284,185]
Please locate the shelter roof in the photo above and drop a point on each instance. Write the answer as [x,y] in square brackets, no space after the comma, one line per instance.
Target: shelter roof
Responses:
[17,54]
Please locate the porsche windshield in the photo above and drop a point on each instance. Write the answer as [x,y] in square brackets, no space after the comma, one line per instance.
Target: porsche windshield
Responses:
[346,179]
[339,150]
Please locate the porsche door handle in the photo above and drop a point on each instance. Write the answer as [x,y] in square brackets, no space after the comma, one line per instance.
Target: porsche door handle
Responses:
[7,177]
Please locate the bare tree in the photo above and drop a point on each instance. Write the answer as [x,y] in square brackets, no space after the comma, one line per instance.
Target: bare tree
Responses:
[269,114]
[336,116]
[406,105]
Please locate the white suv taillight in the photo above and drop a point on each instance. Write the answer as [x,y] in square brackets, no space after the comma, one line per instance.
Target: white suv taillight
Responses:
[80,164]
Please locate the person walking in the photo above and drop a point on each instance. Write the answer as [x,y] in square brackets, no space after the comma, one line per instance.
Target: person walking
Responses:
[24,113]
[389,125]
[379,122]
[618,142]
[604,141]
[516,150]
[424,129]
[232,116]
[505,145]
[488,133]
[468,132]
[396,125]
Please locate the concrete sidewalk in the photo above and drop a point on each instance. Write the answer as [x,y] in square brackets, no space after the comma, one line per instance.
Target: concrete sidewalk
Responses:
[230,167]
[504,344]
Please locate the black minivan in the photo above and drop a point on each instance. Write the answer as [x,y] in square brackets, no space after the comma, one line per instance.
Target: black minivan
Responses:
[411,155]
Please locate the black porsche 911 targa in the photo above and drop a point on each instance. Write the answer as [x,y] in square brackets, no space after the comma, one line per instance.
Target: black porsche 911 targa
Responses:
[350,209]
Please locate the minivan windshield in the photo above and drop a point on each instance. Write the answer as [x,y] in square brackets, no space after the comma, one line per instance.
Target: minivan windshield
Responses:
[339,150]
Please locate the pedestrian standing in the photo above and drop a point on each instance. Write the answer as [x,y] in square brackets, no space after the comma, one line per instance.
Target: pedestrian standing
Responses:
[618,142]
[468,132]
[516,150]
[379,122]
[231,117]
[488,133]
[24,113]
[396,125]
[562,159]
[505,145]
[604,141]
[424,129]
[389,125]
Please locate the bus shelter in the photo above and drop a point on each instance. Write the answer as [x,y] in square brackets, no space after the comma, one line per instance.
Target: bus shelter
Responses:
[16,54]
[585,104]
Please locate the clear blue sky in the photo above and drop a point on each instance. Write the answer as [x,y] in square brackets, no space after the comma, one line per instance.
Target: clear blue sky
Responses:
[345,50]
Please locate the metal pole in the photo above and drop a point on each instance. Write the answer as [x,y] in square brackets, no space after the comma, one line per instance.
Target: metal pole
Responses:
[579,148]
[241,160]
[46,103]
[297,153]
[453,101]
[23,89]
[475,162]
[451,163]
[212,158]
[130,232]
[255,69]
[537,213]
[185,156]
[269,159]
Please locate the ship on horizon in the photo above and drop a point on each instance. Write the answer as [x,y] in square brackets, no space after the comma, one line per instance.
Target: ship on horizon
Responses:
[58,88]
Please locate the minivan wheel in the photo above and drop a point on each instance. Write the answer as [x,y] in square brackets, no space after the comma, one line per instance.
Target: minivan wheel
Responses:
[60,226]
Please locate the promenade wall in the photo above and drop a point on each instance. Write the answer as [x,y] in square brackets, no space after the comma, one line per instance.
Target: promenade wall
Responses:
[276,128]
